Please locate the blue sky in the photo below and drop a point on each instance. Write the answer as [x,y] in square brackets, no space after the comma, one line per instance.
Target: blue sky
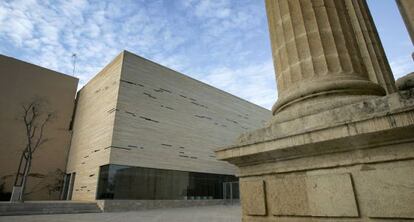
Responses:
[224,43]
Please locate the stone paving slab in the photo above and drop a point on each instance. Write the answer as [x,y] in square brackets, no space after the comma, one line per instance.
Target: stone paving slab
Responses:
[220,213]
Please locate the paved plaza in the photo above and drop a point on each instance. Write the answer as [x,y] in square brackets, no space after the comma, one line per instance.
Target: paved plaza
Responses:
[200,214]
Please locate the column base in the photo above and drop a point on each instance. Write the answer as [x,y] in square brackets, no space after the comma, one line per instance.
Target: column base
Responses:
[321,94]
[316,105]
[352,163]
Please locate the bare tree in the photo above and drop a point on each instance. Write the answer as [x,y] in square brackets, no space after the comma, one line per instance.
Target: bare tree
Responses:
[35,119]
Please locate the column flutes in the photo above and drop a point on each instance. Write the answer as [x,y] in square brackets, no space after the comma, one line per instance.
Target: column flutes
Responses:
[316,52]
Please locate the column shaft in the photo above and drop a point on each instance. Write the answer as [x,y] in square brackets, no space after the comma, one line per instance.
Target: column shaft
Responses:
[315,51]
[406,8]
[369,44]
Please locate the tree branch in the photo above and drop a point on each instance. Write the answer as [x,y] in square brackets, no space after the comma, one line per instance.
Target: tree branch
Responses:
[39,140]
[34,134]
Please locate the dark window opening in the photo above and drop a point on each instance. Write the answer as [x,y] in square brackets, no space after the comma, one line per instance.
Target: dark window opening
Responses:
[162,90]
[120,147]
[233,121]
[203,117]
[112,110]
[130,113]
[149,95]
[167,107]
[197,104]
[148,119]
[132,83]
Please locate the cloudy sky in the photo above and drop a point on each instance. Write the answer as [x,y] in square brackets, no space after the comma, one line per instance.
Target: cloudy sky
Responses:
[224,43]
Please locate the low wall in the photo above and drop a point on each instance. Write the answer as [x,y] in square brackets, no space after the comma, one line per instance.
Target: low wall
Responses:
[47,207]
[135,205]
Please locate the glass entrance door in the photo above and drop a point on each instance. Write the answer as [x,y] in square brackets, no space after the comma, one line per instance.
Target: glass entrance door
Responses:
[65,189]
[231,191]
[71,182]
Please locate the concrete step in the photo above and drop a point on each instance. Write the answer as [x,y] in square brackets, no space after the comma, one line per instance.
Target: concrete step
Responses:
[48,207]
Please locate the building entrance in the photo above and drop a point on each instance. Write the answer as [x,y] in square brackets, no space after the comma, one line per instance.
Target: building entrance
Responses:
[231,191]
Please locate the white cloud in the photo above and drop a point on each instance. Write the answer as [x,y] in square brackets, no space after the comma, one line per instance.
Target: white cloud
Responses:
[402,66]
[15,25]
[255,83]
[212,8]
[213,39]
[224,43]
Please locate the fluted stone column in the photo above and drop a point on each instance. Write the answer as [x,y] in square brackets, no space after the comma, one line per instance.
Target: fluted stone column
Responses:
[406,8]
[369,44]
[317,54]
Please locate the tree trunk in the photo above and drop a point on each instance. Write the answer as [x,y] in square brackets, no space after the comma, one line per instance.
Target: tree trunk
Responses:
[25,175]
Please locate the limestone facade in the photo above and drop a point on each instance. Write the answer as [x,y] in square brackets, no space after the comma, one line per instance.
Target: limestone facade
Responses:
[138,113]
[93,127]
[354,161]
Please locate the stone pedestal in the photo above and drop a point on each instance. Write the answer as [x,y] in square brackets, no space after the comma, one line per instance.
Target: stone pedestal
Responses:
[340,146]
[354,162]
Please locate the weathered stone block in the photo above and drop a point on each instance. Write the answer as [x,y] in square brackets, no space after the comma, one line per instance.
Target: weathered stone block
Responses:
[387,193]
[253,197]
[288,196]
[322,196]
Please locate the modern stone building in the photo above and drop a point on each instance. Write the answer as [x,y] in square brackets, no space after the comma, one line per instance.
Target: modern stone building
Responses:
[22,83]
[340,146]
[143,131]
[137,131]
